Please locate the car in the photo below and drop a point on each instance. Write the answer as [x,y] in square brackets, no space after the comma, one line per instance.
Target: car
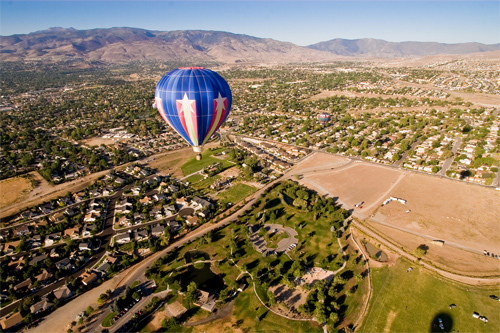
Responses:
[494,297]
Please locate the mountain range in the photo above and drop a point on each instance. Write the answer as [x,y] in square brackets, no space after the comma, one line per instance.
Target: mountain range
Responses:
[128,44]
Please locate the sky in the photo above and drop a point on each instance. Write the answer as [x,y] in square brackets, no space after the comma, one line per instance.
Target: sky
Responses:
[300,22]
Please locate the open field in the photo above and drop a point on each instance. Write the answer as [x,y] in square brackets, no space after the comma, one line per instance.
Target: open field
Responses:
[452,211]
[44,192]
[412,302]
[445,257]
[97,141]
[13,190]
[354,183]
[193,165]
[449,210]
[236,193]
[320,162]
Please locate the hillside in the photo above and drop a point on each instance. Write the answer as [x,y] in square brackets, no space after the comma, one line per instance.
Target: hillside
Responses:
[132,44]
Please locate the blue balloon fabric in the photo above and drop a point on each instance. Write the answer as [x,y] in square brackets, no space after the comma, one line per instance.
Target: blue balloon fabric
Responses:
[194,101]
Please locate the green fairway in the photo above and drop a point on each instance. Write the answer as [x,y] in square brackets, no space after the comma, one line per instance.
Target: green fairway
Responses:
[236,193]
[412,302]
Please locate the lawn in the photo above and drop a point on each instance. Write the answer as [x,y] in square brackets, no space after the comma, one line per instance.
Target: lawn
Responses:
[412,302]
[194,178]
[194,165]
[108,321]
[236,193]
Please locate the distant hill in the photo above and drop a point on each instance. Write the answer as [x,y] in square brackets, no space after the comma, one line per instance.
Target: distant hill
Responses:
[126,44]
[367,47]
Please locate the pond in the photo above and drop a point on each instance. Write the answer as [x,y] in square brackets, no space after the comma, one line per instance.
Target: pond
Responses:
[375,253]
[199,273]
[195,255]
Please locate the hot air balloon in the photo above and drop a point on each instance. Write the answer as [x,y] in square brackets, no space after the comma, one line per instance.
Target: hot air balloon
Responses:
[194,101]
[324,117]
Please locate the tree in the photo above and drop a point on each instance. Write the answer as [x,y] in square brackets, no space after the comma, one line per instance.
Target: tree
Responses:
[89,310]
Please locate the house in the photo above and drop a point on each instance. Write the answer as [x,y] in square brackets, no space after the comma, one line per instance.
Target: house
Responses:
[46,209]
[122,238]
[54,236]
[71,211]
[37,259]
[56,252]
[57,217]
[192,220]
[182,201]
[11,321]
[63,293]
[205,300]
[202,203]
[136,190]
[94,193]
[145,201]
[124,221]
[84,247]
[139,217]
[141,235]
[172,188]
[156,213]
[22,230]
[71,233]
[35,241]
[157,231]
[119,180]
[203,213]
[25,285]
[176,309]
[125,202]
[64,264]
[44,277]
[174,225]
[78,197]
[11,247]
[87,229]
[108,190]
[41,306]
[88,279]
[112,259]
[91,217]
[159,197]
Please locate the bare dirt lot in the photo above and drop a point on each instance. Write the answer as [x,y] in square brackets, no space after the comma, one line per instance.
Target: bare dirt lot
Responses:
[319,161]
[355,183]
[98,141]
[13,190]
[441,209]
[449,210]
[445,257]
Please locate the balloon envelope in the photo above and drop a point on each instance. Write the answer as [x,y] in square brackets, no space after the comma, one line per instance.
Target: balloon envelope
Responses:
[194,101]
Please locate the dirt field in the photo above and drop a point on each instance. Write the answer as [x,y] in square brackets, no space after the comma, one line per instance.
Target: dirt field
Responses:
[13,190]
[355,183]
[455,212]
[320,162]
[445,257]
[449,210]
[98,141]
